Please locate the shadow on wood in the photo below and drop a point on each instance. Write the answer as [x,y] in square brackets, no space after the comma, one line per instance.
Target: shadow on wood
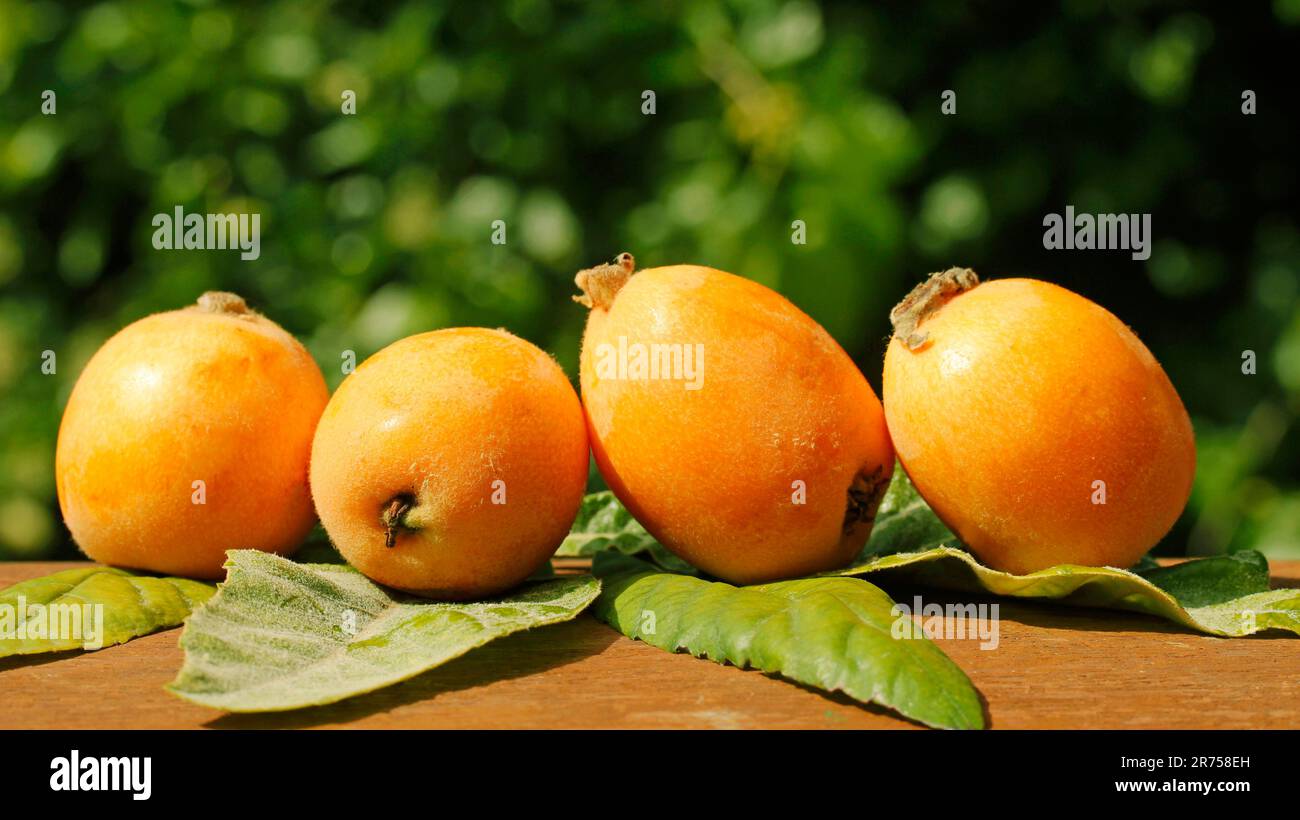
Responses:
[515,656]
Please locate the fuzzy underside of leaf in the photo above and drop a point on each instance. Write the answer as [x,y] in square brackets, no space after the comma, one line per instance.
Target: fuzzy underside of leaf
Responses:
[281,635]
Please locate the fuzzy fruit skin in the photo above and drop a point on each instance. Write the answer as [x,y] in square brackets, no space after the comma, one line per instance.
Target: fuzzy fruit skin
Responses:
[188,395]
[709,472]
[440,417]
[1025,394]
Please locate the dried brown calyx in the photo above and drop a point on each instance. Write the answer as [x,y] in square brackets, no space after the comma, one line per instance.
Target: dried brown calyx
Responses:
[220,301]
[394,517]
[599,285]
[925,300]
[865,494]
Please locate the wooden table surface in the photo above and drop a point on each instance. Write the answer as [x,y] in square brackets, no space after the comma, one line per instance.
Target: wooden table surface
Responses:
[1054,667]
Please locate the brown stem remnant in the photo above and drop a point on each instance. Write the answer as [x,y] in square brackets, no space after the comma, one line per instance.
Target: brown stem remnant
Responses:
[865,494]
[599,285]
[219,301]
[393,517]
[926,299]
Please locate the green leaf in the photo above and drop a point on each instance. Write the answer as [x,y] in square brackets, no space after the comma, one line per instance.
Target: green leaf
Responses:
[281,635]
[1208,581]
[605,524]
[835,634]
[904,522]
[131,605]
[1106,587]
[1226,595]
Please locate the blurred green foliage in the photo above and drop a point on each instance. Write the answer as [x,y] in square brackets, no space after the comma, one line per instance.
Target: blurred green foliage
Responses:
[377,225]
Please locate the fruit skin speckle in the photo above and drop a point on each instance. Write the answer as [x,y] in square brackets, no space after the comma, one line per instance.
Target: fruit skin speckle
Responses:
[1054,395]
[713,473]
[213,393]
[465,449]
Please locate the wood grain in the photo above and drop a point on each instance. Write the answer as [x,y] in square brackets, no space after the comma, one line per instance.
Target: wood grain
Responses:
[1054,667]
